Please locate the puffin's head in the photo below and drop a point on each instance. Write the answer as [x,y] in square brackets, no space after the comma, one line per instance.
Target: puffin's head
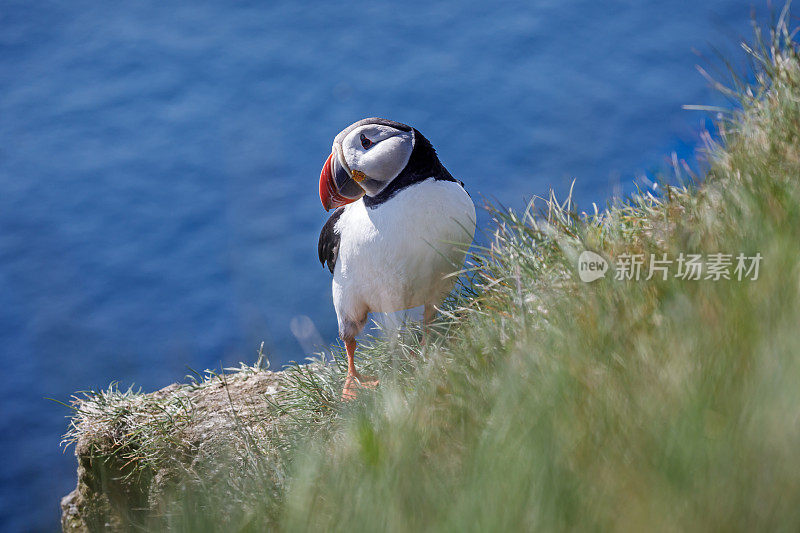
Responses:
[365,158]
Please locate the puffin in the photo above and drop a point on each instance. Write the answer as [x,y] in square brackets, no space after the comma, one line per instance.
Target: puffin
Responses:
[401,225]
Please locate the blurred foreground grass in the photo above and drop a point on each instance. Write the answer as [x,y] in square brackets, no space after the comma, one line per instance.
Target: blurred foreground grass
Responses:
[543,402]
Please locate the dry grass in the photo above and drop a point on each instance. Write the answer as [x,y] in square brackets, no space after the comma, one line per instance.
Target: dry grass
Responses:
[548,403]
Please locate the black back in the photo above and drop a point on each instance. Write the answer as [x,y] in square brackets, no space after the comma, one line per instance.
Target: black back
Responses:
[422,164]
[328,246]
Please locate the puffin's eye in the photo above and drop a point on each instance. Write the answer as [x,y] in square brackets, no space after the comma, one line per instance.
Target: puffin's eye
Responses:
[366,143]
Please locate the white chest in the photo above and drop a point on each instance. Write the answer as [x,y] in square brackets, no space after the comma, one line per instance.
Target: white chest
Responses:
[395,256]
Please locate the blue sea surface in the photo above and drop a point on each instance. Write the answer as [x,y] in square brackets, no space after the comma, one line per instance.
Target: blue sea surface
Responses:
[159,165]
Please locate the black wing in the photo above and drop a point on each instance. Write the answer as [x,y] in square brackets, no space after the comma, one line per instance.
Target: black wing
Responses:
[329,241]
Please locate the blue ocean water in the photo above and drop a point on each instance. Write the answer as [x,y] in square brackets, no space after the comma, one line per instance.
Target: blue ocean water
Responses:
[159,167]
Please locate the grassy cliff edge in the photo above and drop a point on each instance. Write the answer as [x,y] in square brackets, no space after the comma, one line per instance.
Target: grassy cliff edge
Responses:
[541,402]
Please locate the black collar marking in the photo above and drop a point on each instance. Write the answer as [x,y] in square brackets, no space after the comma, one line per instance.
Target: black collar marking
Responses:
[422,164]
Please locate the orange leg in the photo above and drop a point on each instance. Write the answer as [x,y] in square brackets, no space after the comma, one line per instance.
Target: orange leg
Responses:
[354,379]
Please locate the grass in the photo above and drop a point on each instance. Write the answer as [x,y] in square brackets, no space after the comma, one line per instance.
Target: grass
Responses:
[543,402]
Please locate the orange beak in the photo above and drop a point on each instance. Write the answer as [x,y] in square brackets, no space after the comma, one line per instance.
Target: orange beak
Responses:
[329,192]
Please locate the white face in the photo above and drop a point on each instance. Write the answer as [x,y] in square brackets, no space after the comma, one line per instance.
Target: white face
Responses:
[378,152]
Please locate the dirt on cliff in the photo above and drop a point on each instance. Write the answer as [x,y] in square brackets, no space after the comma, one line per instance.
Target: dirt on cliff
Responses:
[135,450]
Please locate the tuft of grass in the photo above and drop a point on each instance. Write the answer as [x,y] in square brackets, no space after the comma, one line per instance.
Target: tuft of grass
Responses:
[555,404]
[542,402]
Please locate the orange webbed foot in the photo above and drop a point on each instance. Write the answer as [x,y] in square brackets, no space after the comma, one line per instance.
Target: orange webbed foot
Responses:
[356,381]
